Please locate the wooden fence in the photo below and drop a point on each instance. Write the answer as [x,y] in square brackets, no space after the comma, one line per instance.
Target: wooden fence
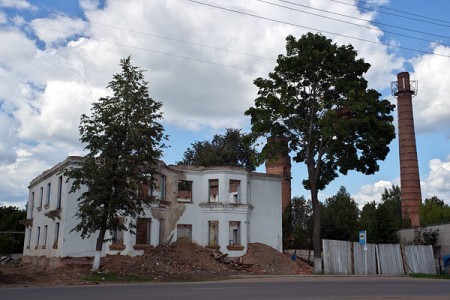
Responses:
[342,257]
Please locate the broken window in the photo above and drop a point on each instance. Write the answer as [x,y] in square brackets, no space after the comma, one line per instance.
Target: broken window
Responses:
[117,237]
[49,186]
[159,188]
[184,231]
[58,199]
[234,191]
[41,197]
[29,238]
[31,205]
[213,232]
[45,237]
[56,238]
[38,235]
[235,233]
[184,191]
[143,231]
[214,190]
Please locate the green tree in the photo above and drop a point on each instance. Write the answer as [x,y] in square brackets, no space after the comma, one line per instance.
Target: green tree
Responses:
[368,222]
[297,224]
[340,217]
[12,233]
[434,211]
[233,148]
[124,141]
[389,215]
[318,99]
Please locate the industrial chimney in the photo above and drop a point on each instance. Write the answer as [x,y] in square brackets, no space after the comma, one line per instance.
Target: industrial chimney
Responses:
[281,165]
[411,195]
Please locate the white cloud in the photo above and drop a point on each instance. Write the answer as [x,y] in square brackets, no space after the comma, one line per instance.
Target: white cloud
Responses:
[56,115]
[44,91]
[18,4]
[58,29]
[432,103]
[437,183]
[372,192]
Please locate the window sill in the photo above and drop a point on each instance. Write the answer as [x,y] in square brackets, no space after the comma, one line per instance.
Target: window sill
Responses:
[215,247]
[180,200]
[235,247]
[142,247]
[117,247]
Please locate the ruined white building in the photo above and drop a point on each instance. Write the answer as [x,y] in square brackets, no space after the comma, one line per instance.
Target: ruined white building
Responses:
[220,207]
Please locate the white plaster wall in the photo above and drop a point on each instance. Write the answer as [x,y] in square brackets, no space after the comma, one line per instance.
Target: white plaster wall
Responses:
[199,217]
[266,216]
[69,243]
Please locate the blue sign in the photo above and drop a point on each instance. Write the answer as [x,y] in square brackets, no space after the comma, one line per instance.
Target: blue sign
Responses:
[362,237]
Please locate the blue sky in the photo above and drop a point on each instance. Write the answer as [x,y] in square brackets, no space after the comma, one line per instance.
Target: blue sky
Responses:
[57,57]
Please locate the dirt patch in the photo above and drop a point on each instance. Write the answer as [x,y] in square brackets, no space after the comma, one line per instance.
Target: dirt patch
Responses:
[180,261]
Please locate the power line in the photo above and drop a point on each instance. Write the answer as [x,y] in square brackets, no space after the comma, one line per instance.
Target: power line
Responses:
[143,49]
[144,33]
[314,29]
[356,18]
[397,15]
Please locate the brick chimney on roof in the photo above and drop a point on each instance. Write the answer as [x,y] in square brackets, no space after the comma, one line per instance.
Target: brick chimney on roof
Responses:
[281,165]
[409,169]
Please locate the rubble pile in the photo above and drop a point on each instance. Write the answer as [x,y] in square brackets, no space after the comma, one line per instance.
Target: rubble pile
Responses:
[181,260]
[266,260]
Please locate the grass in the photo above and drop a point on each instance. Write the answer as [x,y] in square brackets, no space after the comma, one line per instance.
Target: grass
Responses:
[112,277]
[431,276]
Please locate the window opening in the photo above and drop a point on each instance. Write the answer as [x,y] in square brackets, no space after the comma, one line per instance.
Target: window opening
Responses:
[214,190]
[184,191]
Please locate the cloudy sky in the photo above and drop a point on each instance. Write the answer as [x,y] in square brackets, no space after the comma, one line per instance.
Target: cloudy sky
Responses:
[201,57]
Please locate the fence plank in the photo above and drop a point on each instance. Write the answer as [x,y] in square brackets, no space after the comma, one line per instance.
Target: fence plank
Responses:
[359,262]
[420,259]
[337,257]
[390,258]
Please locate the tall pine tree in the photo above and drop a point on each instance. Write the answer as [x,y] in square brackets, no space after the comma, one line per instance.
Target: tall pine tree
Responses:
[124,140]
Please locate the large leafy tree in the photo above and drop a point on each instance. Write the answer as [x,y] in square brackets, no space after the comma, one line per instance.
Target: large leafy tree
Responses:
[297,224]
[382,221]
[340,217]
[12,233]
[124,140]
[318,99]
[233,148]
[434,211]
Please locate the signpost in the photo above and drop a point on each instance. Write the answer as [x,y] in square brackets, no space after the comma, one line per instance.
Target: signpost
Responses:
[363,242]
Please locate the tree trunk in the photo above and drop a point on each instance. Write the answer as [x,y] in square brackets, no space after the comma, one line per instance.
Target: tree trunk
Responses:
[317,241]
[98,248]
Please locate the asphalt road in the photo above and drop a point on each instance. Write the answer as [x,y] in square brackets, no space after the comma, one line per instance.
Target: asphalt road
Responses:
[320,287]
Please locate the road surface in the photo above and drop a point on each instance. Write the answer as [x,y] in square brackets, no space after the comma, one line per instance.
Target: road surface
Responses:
[283,287]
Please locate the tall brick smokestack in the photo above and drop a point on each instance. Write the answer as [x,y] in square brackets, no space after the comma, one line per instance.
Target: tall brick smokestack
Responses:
[409,169]
[281,165]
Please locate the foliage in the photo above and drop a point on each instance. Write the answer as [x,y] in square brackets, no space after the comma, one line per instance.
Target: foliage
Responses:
[230,149]
[318,99]
[340,217]
[9,221]
[382,221]
[424,236]
[430,276]
[124,141]
[297,224]
[434,211]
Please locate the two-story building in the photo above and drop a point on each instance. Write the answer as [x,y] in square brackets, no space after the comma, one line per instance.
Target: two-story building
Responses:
[220,207]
